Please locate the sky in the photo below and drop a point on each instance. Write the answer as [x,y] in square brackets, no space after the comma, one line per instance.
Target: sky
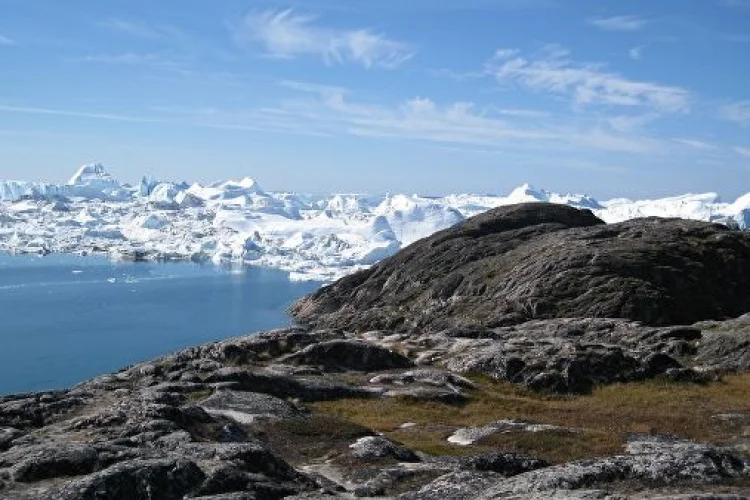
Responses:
[638,98]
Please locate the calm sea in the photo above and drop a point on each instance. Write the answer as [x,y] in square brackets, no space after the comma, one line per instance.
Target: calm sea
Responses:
[66,318]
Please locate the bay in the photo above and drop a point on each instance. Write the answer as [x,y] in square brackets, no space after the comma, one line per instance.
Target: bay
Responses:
[67,318]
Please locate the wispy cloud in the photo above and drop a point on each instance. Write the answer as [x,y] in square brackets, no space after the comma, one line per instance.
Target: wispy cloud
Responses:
[286,34]
[167,62]
[738,112]
[77,114]
[455,124]
[696,144]
[136,29]
[636,53]
[742,151]
[314,88]
[5,41]
[588,84]
[619,23]
[313,109]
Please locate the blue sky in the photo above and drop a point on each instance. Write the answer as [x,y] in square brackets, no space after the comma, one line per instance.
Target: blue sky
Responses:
[611,98]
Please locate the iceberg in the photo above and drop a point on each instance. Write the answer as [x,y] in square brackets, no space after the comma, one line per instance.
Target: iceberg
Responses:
[312,236]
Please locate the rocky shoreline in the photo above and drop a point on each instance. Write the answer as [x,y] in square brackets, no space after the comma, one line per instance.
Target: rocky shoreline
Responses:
[442,397]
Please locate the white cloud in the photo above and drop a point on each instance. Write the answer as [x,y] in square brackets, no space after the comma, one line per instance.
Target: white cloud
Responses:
[136,29]
[166,62]
[636,53]
[28,110]
[742,151]
[630,123]
[588,84]
[314,88]
[738,112]
[456,124]
[6,41]
[287,35]
[619,23]
[696,144]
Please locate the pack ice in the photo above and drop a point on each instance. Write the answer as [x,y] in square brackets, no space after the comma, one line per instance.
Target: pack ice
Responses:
[313,237]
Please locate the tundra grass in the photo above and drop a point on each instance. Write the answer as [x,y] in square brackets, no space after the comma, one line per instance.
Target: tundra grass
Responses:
[601,421]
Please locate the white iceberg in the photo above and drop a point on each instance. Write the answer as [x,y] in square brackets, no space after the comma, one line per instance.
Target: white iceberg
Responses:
[312,236]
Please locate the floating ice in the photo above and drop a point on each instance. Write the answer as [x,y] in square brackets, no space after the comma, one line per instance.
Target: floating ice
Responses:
[313,237]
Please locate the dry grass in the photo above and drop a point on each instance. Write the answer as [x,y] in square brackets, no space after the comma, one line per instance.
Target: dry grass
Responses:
[198,396]
[604,418]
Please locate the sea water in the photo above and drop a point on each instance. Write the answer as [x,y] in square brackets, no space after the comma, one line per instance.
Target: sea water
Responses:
[66,318]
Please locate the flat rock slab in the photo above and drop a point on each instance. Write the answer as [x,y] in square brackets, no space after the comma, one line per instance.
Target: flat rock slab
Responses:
[246,407]
[469,435]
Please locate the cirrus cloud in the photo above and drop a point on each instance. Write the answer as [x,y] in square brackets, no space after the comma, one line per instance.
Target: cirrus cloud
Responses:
[288,35]
[589,84]
[619,23]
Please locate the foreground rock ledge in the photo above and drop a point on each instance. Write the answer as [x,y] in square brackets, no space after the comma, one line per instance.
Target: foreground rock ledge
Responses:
[541,261]
[234,419]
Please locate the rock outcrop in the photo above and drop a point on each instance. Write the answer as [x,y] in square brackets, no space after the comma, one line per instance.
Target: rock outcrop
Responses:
[541,261]
[198,424]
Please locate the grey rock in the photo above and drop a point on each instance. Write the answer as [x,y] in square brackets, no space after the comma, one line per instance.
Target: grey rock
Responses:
[246,407]
[49,461]
[507,464]
[30,411]
[426,376]
[338,355]
[652,461]
[374,448]
[134,480]
[558,355]
[469,435]
[541,261]
[428,394]
[455,485]
[7,435]
[228,480]
[287,387]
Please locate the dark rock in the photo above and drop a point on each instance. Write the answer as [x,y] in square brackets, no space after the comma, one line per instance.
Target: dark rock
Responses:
[287,387]
[428,394]
[7,435]
[507,464]
[340,355]
[134,480]
[658,363]
[539,260]
[50,461]
[228,479]
[250,457]
[681,333]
